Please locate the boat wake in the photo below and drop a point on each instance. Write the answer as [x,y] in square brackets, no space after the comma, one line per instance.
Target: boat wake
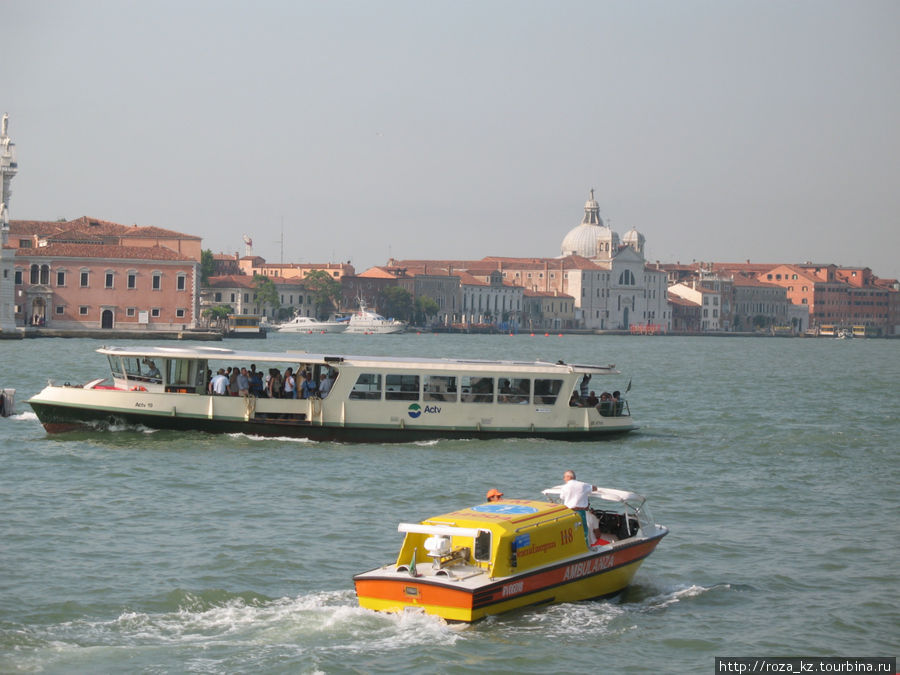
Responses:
[269,439]
[28,416]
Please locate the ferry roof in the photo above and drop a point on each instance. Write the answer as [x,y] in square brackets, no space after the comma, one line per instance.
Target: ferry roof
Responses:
[300,356]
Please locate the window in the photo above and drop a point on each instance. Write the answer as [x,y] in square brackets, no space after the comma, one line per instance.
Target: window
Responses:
[24,243]
[83,310]
[179,313]
[439,388]
[108,283]
[626,278]
[18,277]
[217,297]
[60,278]
[130,311]
[60,309]
[477,389]
[132,280]
[157,281]
[367,387]
[401,387]
[514,390]
[546,391]
[180,282]
[85,278]
[35,274]
[154,312]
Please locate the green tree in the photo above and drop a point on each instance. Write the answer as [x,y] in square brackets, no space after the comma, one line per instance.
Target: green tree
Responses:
[266,293]
[396,302]
[217,315]
[425,308]
[326,292]
[207,265]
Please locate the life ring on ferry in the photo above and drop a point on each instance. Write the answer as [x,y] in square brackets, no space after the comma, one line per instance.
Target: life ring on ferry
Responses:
[139,388]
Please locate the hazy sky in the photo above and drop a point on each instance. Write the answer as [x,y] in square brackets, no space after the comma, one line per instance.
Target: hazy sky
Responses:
[723,130]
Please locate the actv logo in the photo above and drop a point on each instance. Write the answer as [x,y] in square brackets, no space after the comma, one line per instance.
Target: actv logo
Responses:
[415,410]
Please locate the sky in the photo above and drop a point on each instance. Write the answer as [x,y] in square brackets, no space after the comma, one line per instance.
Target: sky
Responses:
[723,130]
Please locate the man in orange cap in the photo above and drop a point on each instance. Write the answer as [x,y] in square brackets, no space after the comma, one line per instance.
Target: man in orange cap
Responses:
[493,495]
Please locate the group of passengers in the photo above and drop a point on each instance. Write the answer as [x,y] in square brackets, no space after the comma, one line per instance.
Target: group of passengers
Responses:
[607,404]
[302,383]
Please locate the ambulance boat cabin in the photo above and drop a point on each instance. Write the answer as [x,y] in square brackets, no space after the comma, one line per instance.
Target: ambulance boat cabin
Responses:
[363,398]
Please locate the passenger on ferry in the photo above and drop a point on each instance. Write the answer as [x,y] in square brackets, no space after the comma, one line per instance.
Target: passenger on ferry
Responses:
[325,383]
[219,384]
[290,384]
[493,495]
[592,399]
[243,383]
[275,385]
[232,381]
[583,388]
[310,387]
[256,383]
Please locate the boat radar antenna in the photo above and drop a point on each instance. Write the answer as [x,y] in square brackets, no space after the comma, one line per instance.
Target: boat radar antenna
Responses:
[248,245]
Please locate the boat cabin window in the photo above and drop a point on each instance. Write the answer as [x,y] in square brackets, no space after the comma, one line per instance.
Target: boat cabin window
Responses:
[483,546]
[546,391]
[439,388]
[367,387]
[185,375]
[115,366]
[401,387]
[141,369]
[513,390]
[477,389]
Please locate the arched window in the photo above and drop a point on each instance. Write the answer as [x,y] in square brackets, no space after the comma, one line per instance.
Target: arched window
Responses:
[626,278]
[45,274]
[35,274]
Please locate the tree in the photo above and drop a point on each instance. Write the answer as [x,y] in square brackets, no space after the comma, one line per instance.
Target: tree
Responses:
[207,266]
[425,308]
[218,314]
[396,302]
[266,293]
[326,292]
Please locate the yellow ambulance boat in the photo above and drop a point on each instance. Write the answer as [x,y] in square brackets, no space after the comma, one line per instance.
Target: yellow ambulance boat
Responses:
[500,556]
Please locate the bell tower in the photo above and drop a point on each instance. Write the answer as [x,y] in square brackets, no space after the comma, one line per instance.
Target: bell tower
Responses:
[8,169]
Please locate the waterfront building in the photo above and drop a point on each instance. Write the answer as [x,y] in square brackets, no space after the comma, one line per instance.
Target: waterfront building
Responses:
[91,273]
[240,292]
[685,314]
[548,310]
[254,264]
[758,306]
[710,302]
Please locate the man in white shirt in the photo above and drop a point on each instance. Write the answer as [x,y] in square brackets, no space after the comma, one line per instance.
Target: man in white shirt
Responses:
[219,383]
[575,494]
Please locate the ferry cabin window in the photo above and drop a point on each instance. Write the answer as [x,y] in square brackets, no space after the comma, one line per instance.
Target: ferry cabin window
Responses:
[367,387]
[186,373]
[439,388]
[401,387]
[546,391]
[137,369]
[513,390]
[483,546]
[477,389]
[115,366]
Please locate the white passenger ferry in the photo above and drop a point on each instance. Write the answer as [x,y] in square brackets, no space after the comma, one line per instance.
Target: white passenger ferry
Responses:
[367,398]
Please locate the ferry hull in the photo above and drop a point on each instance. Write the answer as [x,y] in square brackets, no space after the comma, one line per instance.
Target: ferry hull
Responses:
[60,418]
[590,577]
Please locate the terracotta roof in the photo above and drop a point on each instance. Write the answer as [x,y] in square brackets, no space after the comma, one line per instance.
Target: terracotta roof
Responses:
[230,281]
[378,273]
[94,226]
[678,300]
[102,251]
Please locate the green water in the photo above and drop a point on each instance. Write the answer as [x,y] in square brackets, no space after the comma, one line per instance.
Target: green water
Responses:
[772,461]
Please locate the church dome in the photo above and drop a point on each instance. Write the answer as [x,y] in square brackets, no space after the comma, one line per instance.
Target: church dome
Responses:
[634,239]
[585,239]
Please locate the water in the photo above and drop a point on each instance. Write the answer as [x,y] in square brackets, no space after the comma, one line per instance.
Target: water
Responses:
[772,461]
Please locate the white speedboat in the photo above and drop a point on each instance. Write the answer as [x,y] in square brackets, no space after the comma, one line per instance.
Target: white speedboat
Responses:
[306,324]
[368,322]
[370,399]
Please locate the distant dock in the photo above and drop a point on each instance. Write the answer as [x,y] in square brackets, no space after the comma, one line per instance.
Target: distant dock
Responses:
[112,334]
